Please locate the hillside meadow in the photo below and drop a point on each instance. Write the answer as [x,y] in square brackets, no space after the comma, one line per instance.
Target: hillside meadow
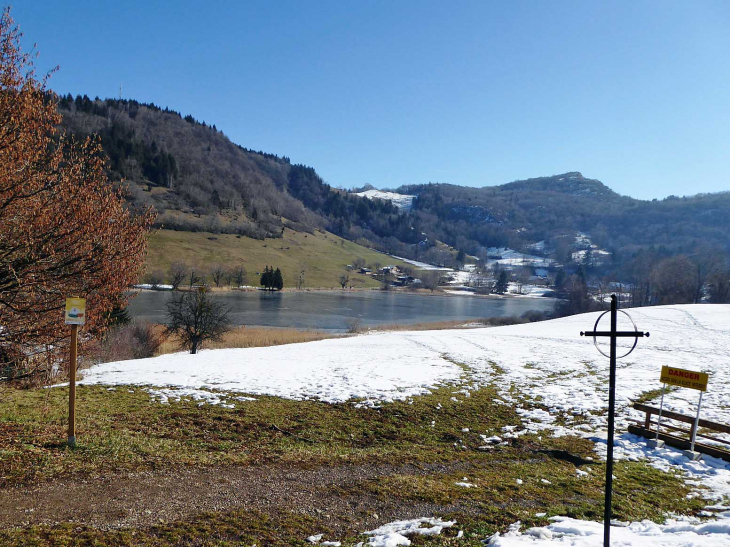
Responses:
[323,255]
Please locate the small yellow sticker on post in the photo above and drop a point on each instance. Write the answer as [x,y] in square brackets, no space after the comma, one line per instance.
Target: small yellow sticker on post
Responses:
[75,311]
[684,378]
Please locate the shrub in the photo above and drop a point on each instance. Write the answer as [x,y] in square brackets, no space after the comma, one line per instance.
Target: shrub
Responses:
[136,340]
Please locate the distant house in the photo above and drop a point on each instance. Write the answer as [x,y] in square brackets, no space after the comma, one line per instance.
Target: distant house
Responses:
[366,271]
[403,280]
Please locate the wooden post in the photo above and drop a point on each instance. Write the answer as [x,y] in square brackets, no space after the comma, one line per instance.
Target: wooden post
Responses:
[72,387]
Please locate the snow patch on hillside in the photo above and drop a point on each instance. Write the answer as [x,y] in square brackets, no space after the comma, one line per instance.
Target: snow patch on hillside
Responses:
[402,201]
[511,258]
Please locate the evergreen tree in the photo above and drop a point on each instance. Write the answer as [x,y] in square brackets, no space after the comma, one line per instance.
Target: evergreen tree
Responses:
[278,280]
[501,286]
[266,278]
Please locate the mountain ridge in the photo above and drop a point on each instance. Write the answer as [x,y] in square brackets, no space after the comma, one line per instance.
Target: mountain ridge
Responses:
[199,180]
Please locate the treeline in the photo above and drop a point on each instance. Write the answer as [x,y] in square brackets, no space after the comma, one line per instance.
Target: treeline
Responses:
[182,275]
[652,277]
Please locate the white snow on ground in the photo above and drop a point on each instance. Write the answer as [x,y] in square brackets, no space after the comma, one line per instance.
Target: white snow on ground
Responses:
[554,372]
[462,292]
[510,257]
[532,291]
[394,533]
[547,359]
[402,201]
[422,265]
[372,367]
[567,531]
[148,286]
[165,395]
[460,277]
[598,255]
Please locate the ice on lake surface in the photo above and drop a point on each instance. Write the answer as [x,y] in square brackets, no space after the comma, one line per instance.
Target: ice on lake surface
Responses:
[332,310]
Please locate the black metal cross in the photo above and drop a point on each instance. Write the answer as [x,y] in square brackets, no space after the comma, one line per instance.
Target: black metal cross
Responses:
[614,335]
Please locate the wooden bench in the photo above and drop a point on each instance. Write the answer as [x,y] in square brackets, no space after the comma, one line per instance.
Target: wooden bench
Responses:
[648,430]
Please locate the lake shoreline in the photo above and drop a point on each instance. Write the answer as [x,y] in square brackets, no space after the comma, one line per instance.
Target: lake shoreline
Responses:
[332,290]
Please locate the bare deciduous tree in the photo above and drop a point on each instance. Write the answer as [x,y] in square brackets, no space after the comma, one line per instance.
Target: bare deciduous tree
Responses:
[239,276]
[178,271]
[719,285]
[707,262]
[155,279]
[344,279]
[195,317]
[673,281]
[430,279]
[194,278]
[217,273]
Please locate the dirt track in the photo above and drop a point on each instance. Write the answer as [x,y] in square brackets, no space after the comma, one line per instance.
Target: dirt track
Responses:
[144,499]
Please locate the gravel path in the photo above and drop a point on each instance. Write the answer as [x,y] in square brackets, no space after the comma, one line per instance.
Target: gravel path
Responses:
[144,499]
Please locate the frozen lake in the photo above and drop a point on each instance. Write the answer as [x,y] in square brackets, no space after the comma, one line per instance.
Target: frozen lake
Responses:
[335,310]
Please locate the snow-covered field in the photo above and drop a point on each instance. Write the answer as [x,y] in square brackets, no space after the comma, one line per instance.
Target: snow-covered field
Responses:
[423,265]
[556,373]
[512,258]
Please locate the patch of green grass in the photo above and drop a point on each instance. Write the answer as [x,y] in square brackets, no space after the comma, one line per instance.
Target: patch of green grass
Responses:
[123,431]
[640,491]
[647,396]
[323,255]
[220,529]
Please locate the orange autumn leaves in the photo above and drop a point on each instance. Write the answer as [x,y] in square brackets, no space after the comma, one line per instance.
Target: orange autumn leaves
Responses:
[64,229]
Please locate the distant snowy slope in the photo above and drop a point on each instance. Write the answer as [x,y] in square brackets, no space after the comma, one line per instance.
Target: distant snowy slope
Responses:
[402,201]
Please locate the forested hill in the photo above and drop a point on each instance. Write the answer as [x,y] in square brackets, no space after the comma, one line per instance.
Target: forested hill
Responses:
[199,180]
[549,209]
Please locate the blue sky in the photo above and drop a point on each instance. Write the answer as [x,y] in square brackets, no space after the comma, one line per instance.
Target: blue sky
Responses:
[633,93]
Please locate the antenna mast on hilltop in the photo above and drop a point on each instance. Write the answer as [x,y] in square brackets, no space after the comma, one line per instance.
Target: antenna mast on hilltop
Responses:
[120,92]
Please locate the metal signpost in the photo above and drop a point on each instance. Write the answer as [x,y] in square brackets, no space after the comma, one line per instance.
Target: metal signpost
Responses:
[75,316]
[613,334]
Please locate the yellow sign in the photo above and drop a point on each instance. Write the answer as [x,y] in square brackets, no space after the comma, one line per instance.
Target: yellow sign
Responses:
[75,311]
[684,378]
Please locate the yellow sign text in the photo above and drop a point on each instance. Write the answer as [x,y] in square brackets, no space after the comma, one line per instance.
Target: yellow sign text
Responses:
[684,378]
